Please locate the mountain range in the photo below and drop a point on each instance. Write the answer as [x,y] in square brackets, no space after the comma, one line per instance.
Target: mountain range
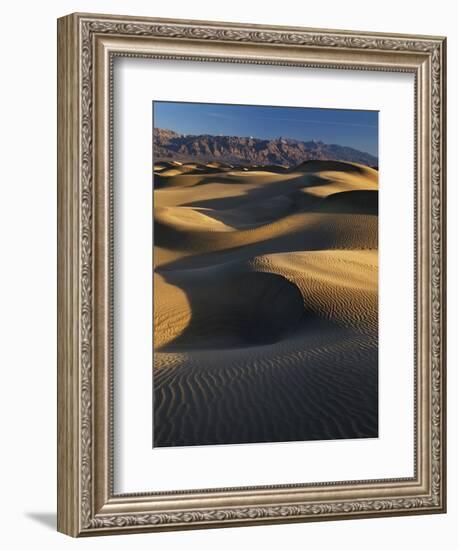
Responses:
[288,152]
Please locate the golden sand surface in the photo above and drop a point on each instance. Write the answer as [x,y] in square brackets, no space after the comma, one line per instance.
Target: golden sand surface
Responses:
[265,303]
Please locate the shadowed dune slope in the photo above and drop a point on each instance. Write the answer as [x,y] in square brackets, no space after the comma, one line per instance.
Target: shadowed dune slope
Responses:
[231,308]
[265,303]
[351,202]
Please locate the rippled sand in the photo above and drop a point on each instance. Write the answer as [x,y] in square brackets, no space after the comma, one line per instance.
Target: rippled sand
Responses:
[265,303]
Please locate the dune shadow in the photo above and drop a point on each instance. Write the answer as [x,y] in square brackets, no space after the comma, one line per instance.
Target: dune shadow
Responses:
[261,212]
[265,191]
[307,239]
[265,212]
[329,166]
[236,308]
[350,202]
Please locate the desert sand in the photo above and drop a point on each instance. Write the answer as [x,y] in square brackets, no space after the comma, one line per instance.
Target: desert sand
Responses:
[265,303]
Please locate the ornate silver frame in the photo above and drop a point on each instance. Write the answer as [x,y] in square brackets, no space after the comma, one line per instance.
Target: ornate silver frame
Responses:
[87,44]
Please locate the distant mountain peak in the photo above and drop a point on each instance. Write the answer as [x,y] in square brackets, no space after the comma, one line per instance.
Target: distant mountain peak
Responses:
[248,150]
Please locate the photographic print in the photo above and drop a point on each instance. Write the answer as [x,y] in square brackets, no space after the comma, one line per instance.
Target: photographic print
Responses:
[265,291]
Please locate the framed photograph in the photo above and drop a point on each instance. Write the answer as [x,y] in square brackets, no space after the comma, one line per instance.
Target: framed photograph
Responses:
[251,290]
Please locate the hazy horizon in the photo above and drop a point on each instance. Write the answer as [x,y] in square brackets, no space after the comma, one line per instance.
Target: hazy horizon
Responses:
[344,127]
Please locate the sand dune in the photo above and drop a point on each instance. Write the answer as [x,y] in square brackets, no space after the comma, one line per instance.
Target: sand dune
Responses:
[265,303]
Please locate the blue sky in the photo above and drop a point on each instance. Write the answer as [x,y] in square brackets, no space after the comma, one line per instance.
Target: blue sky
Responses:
[357,129]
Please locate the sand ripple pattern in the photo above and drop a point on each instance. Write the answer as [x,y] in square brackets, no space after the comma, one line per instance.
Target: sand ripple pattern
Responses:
[265,304]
